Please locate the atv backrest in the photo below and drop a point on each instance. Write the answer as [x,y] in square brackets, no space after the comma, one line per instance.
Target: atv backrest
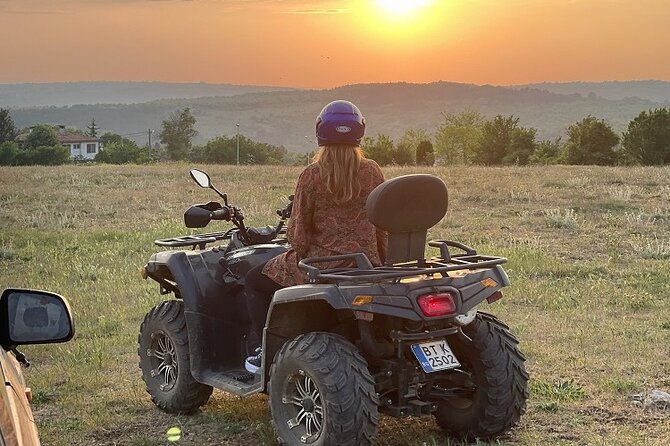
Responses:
[406,207]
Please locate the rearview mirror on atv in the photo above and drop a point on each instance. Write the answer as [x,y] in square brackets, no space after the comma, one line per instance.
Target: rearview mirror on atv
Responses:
[201,178]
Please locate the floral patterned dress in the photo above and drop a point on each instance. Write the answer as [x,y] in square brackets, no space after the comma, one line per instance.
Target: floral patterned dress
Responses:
[319,227]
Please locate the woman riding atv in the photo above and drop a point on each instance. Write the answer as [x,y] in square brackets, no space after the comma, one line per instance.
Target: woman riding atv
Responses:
[328,216]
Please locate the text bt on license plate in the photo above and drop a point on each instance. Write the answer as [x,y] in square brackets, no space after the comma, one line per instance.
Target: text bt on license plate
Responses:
[434,356]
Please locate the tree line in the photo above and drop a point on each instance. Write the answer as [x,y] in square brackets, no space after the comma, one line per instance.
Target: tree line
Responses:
[41,146]
[469,138]
[461,139]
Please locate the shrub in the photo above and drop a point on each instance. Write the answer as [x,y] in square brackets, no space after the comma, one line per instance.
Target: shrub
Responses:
[8,152]
[591,141]
[647,140]
[43,155]
[123,153]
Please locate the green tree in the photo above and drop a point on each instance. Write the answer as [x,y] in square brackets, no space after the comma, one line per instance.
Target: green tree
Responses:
[109,138]
[413,137]
[591,141]
[269,153]
[92,129]
[547,152]
[404,154]
[425,156]
[8,153]
[405,151]
[647,140]
[7,128]
[521,146]
[503,141]
[223,150]
[177,133]
[42,136]
[457,137]
[123,153]
[379,149]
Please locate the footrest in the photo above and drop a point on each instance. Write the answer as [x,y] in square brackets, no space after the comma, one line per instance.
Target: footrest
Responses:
[241,375]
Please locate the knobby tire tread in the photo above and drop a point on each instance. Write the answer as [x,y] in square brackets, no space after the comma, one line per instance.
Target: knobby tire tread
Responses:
[504,388]
[187,395]
[348,390]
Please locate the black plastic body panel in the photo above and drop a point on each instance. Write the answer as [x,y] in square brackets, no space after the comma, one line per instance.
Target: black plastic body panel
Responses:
[399,299]
[240,261]
[216,314]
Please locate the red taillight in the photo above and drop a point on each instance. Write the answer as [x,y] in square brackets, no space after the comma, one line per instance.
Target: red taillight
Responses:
[433,305]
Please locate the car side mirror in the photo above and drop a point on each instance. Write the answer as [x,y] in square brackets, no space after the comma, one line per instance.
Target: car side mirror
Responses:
[201,178]
[34,317]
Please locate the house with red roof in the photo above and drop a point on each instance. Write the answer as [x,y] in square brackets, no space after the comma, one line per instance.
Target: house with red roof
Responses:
[81,145]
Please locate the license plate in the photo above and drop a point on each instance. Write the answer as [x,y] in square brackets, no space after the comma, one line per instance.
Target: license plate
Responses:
[434,356]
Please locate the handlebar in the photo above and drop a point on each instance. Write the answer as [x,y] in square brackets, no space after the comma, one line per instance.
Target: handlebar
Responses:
[221,214]
[286,212]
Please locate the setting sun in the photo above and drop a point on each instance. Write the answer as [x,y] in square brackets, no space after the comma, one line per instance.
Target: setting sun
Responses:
[393,26]
[402,7]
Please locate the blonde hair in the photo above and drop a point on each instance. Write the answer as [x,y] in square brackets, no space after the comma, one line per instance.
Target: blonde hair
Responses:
[338,167]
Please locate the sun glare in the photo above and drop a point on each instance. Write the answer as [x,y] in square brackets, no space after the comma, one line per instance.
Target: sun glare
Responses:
[402,7]
[393,25]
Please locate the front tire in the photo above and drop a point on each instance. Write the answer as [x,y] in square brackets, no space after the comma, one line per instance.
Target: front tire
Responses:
[321,393]
[497,376]
[165,363]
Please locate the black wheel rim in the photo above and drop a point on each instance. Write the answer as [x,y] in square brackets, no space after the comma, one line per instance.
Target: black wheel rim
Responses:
[303,407]
[163,355]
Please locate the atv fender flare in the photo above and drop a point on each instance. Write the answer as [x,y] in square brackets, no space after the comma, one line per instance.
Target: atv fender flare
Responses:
[206,318]
[296,310]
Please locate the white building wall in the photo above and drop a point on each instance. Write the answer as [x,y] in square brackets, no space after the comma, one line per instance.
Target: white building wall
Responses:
[74,151]
[80,150]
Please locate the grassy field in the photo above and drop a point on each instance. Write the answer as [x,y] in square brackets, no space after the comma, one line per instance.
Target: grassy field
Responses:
[589,259]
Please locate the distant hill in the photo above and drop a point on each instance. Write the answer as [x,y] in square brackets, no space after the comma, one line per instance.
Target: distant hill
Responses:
[656,91]
[72,93]
[287,117]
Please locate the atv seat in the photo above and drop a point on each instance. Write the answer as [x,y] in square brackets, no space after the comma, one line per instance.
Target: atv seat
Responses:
[406,207]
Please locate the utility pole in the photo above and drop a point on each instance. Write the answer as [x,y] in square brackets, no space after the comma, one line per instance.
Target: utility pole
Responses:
[150,138]
[311,142]
[238,143]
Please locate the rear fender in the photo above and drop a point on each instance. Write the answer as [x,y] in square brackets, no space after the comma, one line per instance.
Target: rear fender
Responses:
[478,286]
[297,310]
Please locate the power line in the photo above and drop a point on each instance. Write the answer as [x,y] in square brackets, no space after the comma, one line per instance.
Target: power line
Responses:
[136,133]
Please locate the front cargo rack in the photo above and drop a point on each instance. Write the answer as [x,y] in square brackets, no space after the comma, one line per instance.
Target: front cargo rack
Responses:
[199,240]
[364,271]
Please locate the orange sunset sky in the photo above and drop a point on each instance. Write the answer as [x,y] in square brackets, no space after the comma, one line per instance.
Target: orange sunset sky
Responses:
[324,43]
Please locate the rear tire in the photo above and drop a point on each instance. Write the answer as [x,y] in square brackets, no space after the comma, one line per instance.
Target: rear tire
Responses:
[165,363]
[499,378]
[320,385]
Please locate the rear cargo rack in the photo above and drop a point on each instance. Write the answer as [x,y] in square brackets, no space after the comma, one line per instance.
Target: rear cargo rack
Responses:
[364,271]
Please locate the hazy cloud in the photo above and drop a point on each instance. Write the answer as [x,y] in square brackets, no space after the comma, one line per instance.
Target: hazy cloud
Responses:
[30,11]
[317,11]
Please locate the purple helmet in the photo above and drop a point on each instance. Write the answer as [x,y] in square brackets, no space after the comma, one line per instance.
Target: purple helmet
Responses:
[340,122]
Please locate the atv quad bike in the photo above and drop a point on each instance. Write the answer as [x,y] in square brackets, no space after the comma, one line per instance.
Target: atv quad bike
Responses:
[405,339]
